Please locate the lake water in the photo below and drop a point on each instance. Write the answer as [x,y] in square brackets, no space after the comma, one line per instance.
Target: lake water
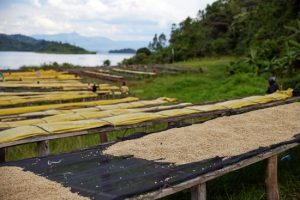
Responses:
[14,60]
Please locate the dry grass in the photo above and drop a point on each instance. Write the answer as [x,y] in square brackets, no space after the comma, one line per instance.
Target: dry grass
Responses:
[226,136]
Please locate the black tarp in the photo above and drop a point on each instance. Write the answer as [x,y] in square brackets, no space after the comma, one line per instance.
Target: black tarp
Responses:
[99,176]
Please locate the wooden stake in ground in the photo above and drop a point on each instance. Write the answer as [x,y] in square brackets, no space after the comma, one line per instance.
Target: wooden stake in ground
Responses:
[271,179]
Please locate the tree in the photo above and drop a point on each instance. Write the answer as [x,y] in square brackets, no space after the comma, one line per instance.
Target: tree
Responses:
[106,63]
[158,42]
[143,50]
[153,45]
[162,39]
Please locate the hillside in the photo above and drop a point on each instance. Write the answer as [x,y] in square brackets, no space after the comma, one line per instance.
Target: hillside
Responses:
[231,27]
[24,43]
[92,43]
[127,50]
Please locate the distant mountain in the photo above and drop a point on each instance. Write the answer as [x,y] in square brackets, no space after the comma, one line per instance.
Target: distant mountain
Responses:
[92,43]
[20,42]
[127,50]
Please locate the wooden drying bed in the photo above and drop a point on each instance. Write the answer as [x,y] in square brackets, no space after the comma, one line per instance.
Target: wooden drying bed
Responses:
[43,141]
[45,102]
[94,74]
[99,176]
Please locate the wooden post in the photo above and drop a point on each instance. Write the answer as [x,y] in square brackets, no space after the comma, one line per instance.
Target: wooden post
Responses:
[271,179]
[2,155]
[43,148]
[198,192]
[103,137]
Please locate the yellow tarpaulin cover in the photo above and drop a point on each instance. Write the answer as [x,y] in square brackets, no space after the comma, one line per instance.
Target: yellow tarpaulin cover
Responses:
[19,133]
[137,104]
[19,110]
[57,85]
[132,118]
[82,114]
[260,99]
[10,101]
[64,127]
[207,108]
[86,111]
[233,104]
[120,120]
[177,112]
[282,94]
[21,123]
[40,74]
[158,108]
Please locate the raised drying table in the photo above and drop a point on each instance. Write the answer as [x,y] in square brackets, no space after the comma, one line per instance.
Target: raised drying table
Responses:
[43,141]
[99,176]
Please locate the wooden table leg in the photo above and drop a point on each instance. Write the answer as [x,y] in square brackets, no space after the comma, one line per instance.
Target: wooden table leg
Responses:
[43,148]
[198,192]
[271,179]
[2,155]
[103,138]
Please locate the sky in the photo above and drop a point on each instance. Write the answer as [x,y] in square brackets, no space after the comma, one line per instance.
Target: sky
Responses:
[114,19]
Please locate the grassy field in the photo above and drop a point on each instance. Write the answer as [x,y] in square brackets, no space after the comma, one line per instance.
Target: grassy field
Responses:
[213,83]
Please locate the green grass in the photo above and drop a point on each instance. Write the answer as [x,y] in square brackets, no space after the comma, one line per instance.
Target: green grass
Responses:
[214,83]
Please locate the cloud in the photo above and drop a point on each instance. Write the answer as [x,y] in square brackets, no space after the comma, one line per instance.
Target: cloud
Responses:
[116,19]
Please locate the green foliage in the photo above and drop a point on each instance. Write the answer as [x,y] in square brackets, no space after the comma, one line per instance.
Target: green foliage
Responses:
[53,66]
[62,48]
[259,60]
[233,27]
[212,84]
[25,43]
[142,56]
[158,42]
[144,50]
[106,63]
[126,50]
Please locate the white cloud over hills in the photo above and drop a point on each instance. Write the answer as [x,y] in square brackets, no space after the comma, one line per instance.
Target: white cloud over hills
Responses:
[115,19]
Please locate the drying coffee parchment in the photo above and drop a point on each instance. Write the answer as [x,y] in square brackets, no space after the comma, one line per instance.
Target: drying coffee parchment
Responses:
[16,184]
[224,137]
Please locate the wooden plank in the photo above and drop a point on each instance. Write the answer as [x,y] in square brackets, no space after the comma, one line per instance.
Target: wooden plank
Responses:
[212,175]
[198,192]
[271,179]
[43,148]
[213,114]
[2,155]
